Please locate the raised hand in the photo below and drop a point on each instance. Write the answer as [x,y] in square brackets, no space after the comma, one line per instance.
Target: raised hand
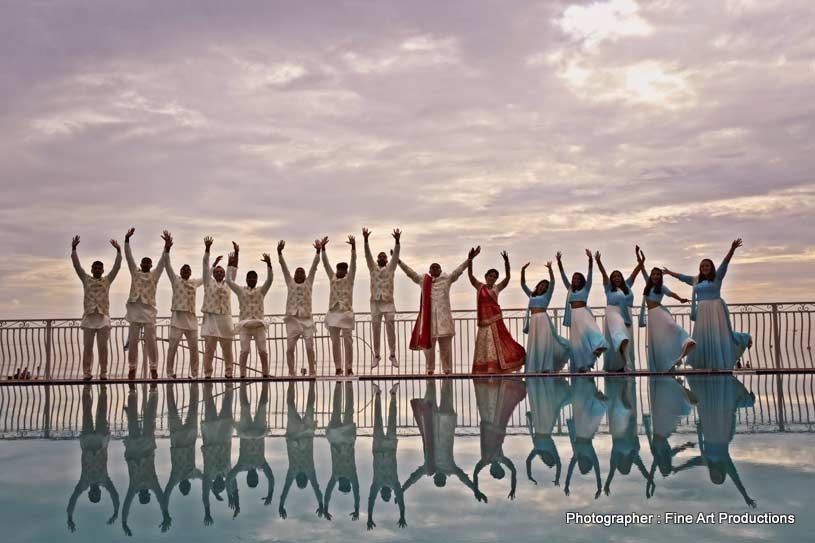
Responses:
[559,256]
[129,234]
[597,494]
[397,234]
[116,245]
[588,253]
[505,256]
[217,259]
[370,525]
[165,524]
[168,240]
[208,520]
[74,242]
[523,268]
[549,264]
[474,252]
[511,495]
[282,512]
[365,234]
[280,245]
[355,515]
[71,525]
[352,241]
[236,247]
[317,245]
[736,244]
[402,523]
[596,255]
[233,260]
[267,259]
[480,496]
[208,242]
[324,242]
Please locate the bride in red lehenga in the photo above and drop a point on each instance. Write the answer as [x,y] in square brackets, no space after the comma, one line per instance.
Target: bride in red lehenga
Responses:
[495,349]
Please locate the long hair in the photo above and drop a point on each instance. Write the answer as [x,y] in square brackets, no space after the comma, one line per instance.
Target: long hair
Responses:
[650,285]
[712,275]
[582,282]
[623,287]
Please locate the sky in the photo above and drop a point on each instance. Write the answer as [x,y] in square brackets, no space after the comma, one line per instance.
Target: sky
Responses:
[530,127]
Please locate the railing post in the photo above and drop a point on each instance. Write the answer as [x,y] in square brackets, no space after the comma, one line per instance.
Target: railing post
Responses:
[48,347]
[779,382]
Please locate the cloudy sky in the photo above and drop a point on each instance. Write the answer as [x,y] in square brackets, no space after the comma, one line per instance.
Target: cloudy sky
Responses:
[526,126]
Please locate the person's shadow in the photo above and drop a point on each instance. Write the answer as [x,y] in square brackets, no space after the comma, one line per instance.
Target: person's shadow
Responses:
[342,436]
[547,397]
[589,406]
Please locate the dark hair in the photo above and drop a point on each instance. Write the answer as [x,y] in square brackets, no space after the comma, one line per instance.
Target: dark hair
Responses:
[492,270]
[144,496]
[342,266]
[582,281]
[251,272]
[95,262]
[252,478]
[624,287]
[650,285]
[301,479]
[712,275]
[539,283]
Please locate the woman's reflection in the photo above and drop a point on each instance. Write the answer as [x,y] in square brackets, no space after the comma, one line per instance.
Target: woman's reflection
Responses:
[93,442]
[342,437]
[496,400]
[183,439]
[140,455]
[547,397]
[386,476]
[719,399]
[216,433]
[589,406]
[437,425]
[622,422]
[252,452]
[300,447]
[670,403]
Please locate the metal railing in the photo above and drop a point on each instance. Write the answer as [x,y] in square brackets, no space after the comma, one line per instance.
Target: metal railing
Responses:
[52,348]
[783,403]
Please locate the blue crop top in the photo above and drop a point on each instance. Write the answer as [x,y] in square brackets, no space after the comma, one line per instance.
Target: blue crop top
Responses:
[621,299]
[705,290]
[581,295]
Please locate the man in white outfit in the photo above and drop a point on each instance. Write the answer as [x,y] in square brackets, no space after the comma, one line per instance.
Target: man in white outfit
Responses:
[382,305]
[441,327]
[183,321]
[340,316]
[141,307]
[96,313]
[299,321]
[216,326]
[250,299]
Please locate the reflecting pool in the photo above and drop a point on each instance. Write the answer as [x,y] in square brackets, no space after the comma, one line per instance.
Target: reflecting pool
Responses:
[507,459]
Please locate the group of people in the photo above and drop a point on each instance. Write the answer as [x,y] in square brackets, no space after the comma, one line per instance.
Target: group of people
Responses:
[713,343]
[717,399]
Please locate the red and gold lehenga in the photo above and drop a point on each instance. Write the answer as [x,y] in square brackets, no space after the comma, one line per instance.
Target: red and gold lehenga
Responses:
[495,349]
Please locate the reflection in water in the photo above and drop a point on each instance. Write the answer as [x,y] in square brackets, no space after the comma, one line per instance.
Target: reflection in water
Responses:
[437,426]
[603,426]
[386,475]
[719,398]
[300,447]
[93,442]
[497,400]
[140,455]
[589,406]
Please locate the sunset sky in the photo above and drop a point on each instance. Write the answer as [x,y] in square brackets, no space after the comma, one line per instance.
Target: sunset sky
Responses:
[526,126]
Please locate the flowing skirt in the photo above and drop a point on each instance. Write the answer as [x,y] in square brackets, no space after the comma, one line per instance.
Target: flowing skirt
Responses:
[547,397]
[616,332]
[588,407]
[718,347]
[545,350]
[496,351]
[669,404]
[585,338]
[667,340]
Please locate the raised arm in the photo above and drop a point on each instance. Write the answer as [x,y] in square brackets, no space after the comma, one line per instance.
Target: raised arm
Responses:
[456,273]
[168,243]
[641,262]
[326,264]
[281,510]
[734,474]
[566,282]
[503,284]
[524,287]
[232,273]
[284,269]
[415,277]
[131,262]
[312,271]
[722,269]
[551,288]
[267,471]
[117,264]
[269,273]
[473,281]
[168,266]
[78,490]
[640,267]
[369,257]
[75,260]
[590,274]
[352,268]
[414,477]
[397,237]
[597,477]
[600,266]
[569,472]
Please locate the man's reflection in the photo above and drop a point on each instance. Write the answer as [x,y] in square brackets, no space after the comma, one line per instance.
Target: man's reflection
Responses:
[386,476]
[719,398]
[496,400]
[437,425]
[300,447]
[93,442]
[622,423]
[183,438]
[252,453]
[589,406]
[216,433]
[670,403]
[342,437]
[547,397]
[140,455]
